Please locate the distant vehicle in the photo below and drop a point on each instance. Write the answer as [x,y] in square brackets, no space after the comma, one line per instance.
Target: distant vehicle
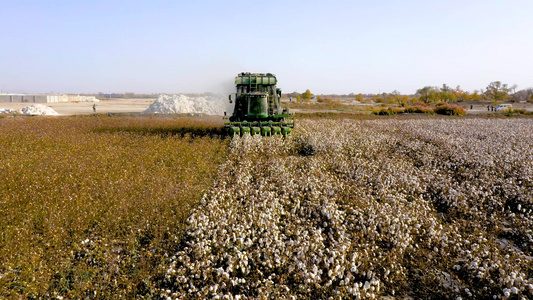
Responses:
[501,107]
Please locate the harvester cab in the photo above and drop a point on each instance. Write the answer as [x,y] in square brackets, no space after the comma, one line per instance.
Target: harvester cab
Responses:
[258,107]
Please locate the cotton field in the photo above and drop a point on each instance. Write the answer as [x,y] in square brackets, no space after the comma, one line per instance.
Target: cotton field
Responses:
[91,205]
[438,208]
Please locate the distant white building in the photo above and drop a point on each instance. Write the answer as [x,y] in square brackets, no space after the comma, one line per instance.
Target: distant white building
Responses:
[45,98]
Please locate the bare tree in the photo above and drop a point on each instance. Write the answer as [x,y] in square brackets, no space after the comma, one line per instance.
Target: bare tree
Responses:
[523,95]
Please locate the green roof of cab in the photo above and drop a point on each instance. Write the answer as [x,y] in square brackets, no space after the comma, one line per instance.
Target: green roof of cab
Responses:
[256,78]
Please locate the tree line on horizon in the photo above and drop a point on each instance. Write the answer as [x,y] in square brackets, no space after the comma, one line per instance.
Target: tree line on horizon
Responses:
[496,91]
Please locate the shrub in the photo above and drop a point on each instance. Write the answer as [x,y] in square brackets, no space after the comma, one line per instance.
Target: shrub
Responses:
[387,111]
[419,109]
[450,110]
[516,111]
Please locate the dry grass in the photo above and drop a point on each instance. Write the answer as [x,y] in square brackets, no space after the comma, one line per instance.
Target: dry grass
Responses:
[89,206]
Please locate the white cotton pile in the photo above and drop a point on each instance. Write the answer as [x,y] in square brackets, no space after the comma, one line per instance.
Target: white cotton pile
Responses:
[7,111]
[39,110]
[181,104]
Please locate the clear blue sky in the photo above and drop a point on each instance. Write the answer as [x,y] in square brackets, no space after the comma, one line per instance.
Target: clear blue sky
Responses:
[325,46]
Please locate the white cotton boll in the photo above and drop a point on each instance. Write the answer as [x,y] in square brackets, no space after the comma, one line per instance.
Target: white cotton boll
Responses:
[337,269]
[506,293]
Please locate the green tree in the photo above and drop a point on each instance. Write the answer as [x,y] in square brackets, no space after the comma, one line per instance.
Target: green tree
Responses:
[427,94]
[475,96]
[377,98]
[496,91]
[307,95]
[460,95]
[397,98]
[446,94]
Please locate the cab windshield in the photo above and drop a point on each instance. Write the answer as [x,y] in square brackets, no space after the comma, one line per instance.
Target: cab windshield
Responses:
[258,106]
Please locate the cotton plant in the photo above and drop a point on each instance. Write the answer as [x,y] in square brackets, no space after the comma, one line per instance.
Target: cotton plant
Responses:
[364,209]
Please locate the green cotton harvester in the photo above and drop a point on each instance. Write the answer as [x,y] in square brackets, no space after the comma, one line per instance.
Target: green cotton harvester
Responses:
[258,107]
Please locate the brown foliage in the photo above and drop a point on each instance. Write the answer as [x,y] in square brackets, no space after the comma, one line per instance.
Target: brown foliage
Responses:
[90,206]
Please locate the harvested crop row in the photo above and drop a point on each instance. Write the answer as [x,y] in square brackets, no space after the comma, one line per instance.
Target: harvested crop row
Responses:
[426,208]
